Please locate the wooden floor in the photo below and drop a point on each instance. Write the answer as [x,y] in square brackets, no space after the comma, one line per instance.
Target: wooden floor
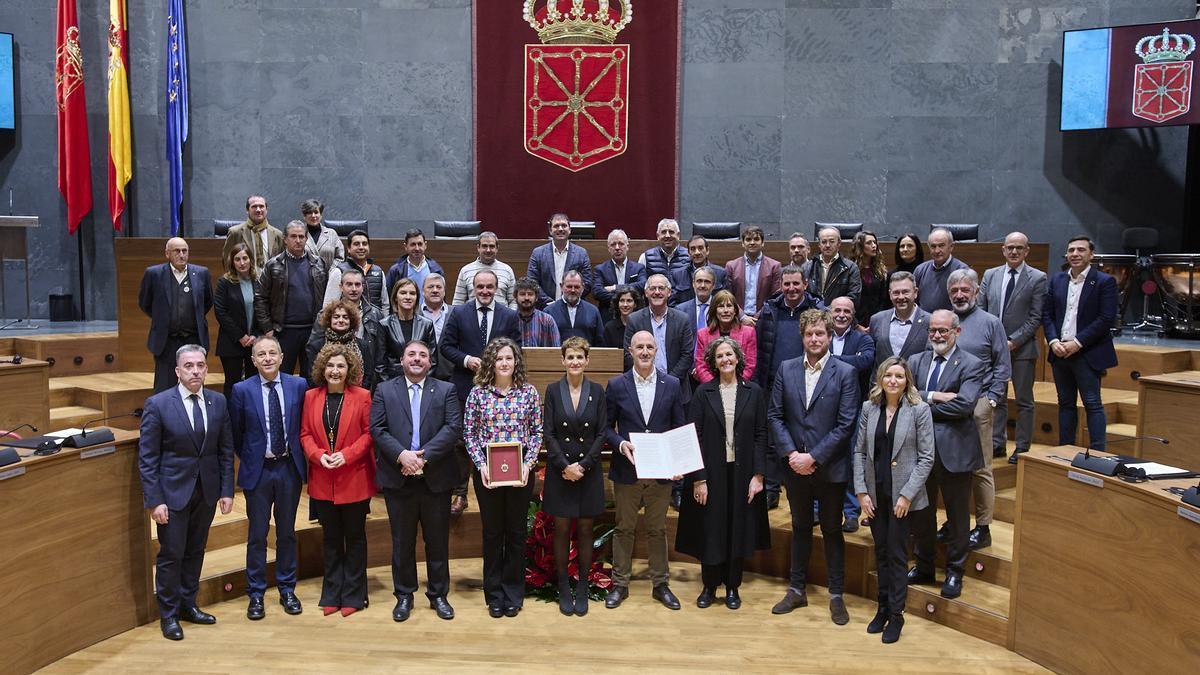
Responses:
[640,635]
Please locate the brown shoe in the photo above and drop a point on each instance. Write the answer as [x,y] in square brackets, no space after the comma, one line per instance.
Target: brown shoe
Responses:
[792,600]
[837,610]
[457,505]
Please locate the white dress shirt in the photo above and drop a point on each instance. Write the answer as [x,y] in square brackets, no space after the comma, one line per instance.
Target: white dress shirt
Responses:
[187,404]
[645,392]
[812,374]
[1071,315]
[560,268]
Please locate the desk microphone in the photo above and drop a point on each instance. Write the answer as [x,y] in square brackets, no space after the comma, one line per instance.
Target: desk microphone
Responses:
[14,430]
[10,455]
[86,439]
[1110,466]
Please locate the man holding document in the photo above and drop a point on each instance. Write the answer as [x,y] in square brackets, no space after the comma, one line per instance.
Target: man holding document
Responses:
[643,400]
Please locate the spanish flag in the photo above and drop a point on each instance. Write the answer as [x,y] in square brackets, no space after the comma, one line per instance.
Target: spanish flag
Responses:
[120,161]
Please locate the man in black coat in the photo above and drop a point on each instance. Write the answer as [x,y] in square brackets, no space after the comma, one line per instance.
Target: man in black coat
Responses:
[176,296]
[291,291]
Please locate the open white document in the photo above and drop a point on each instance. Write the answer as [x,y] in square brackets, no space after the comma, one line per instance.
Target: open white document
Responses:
[666,455]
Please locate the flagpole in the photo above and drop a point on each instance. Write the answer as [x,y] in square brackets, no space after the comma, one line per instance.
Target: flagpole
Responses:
[82,276]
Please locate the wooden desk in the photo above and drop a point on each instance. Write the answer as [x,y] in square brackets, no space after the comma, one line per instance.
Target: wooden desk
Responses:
[1103,577]
[75,563]
[25,394]
[1169,406]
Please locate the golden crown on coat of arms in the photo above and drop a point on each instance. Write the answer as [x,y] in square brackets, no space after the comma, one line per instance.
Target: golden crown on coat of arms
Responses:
[578,21]
[1166,47]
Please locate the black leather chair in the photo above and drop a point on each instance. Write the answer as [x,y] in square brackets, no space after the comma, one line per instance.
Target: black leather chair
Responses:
[847,230]
[457,229]
[717,231]
[960,231]
[345,227]
[583,229]
[221,227]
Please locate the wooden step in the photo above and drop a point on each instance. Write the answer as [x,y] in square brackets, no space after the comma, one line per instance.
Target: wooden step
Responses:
[226,530]
[69,416]
[1006,505]
[1045,396]
[72,353]
[61,395]
[1134,361]
[981,611]
[1121,430]
[992,564]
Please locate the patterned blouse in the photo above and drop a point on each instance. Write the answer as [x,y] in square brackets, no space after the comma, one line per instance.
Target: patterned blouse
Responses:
[491,417]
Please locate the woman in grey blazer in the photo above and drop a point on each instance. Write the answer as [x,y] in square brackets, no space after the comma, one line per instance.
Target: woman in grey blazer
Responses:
[893,457]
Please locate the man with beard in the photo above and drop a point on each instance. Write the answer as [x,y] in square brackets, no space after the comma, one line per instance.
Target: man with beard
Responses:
[902,330]
[263,240]
[538,329]
[798,249]
[574,317]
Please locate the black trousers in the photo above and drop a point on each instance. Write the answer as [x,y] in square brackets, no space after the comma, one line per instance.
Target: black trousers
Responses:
[956,493]
[293,342]
[407,507]
[728,571]
[345,552]
[801,491]
[164,361]
[236,368]
[502,512]
[891,554]
[181,545]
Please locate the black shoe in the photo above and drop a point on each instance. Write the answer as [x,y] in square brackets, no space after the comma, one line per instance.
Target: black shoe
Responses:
[849,524]
[980,537]
[171,628]
[442,606]
[706,598]
[999,452]
[566,598]
[663,594]
[953,586]
[791,600]
[916,576]
[615,597]
[403,609]
[877,624]
[495,610]
[732,599]
[255,610]
[195,615]
[511,610]
[892,632]
[676,500]
[772,500]
[943,533]
[1013,459]
[837,611]
[581,597]
[291,604]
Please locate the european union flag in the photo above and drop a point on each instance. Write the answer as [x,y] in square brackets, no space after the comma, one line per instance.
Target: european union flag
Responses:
[177,105]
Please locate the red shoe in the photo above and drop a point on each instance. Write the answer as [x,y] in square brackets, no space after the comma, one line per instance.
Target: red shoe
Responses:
[347,611]
[329,610]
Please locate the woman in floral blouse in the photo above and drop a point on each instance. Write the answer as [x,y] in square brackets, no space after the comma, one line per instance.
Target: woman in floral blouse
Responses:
[503,407]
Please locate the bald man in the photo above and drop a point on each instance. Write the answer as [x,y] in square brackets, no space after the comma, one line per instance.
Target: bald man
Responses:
[176,296]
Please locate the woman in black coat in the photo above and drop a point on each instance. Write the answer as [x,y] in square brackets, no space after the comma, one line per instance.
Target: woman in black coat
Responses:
[725,518]
[233,304]
[402,326]
[575,418]
[338,323]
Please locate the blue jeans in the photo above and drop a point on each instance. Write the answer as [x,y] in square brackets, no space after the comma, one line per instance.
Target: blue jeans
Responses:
[1075,377]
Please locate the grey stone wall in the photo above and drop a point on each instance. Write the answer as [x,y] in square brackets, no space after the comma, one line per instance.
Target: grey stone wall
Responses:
[894,112]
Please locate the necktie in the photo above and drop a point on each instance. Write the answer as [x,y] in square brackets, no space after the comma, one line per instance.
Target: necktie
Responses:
[275,421]
[701,316]
[1008,289]
[936,374]
[197,420]
[483,325]
[414,400]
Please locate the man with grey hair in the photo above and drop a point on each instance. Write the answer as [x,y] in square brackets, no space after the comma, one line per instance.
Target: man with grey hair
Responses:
[574,317]
[668,256]
[983,336]
[289,297]
[931,276]
[831,275]
[798,249]
[681,279]
[618,270]
[488,248]
[176,296]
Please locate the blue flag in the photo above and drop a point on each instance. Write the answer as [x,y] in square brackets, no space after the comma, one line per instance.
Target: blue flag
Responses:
[177,105]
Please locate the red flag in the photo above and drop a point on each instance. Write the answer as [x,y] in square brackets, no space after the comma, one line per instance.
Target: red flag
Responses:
[74,155]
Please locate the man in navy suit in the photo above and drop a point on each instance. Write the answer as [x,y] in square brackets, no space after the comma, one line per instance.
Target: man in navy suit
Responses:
[814,405]
[643,400]
[673,331]
[574,316]
[856,348]
[681,279]
[1080,309]
[265,413]
[618,270]
[176,296]
[185,457]
[549,262]
[701,289]
[416,422]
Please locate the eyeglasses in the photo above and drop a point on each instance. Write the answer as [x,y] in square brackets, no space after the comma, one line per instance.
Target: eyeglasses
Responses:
[940,331]
[1015,248]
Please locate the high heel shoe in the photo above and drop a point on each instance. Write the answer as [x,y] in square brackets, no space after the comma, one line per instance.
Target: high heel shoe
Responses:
[581,597]
[566,601]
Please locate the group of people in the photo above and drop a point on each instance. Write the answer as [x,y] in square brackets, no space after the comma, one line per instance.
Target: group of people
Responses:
[862,389]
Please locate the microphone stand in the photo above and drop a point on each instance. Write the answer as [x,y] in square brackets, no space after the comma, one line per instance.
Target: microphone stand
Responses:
[1109,466]
[86,439]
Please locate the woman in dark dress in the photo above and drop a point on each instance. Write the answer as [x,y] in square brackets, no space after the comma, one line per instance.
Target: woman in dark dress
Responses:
[627,300]
[874,277]
[575,418]
[233,304]
[339,323]
[403,325]
[725,520]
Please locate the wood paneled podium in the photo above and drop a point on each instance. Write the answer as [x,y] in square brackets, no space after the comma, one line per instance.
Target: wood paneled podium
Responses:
[25,394]
[1166,404]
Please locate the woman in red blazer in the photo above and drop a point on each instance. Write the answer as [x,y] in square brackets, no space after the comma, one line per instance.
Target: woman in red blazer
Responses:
[723,314]
[336,437]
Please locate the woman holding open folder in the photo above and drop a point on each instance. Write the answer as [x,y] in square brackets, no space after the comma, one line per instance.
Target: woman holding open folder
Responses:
[725,518]
[503,408]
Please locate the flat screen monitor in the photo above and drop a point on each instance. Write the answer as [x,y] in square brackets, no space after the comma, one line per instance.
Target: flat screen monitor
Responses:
[1130,76]
[8,107]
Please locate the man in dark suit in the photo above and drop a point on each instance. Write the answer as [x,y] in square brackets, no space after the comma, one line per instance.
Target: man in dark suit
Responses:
[673,332]
[264,412]
[618,270]
[1081,307]
[902,330]
[830,273]
[951,380]
[185,457]
[416,265]
[576,318]
[176,296]
[416,422]
[290,293]
[753,277]
[548,264]
[700,290]
[681,279]
[814,405]
[645,399]
[856,348]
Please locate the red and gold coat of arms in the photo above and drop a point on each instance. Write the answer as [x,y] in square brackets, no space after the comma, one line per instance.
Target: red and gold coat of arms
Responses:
[1162,84]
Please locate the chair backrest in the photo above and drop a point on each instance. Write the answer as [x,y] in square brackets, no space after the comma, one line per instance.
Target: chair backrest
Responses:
[345,227]
[960,231]
[221,227]
[583,229]
[847,230]
[717,231]
[1139,239]
[457,229]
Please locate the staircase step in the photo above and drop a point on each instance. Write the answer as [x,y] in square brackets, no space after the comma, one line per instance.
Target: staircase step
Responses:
[226,530]
[223,576]
[61,395]
[65,417]
[1120,430]
[1006,505]
[981,611]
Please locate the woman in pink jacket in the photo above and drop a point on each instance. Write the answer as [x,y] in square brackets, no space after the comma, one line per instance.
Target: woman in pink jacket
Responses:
[723,313]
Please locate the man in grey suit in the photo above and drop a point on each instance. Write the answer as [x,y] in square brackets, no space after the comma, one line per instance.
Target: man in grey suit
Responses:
[674,332]
[902,330]
[1015,292]
[950,380]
